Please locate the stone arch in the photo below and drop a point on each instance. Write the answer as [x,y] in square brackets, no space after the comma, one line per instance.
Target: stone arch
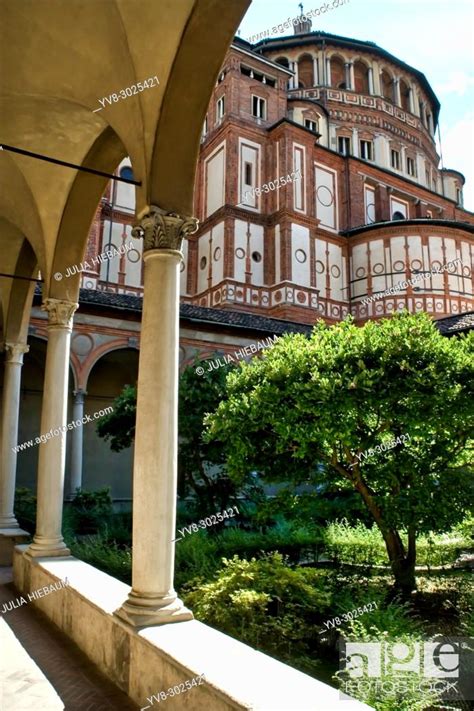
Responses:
[386,84]
[305,71]
[361,77]
[114,368]
[405,95]
[338,72]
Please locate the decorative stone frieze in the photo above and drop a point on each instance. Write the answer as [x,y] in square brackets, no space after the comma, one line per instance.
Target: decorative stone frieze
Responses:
[164,230]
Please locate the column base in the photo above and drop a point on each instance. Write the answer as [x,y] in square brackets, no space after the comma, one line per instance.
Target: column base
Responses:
[148,613]
[9,538]
[54,549]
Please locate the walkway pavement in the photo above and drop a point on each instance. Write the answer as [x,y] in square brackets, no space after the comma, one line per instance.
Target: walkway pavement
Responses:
[41,669]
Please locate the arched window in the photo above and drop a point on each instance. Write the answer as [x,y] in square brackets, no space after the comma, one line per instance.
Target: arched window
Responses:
[398,216]
[361,78]
[405,95]
[305,71]
[126,172]
[386,84]
[283,61]
[338,73]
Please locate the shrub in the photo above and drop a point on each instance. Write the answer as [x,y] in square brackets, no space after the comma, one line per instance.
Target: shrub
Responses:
[265,604]
[25,509]
[93,508]
[393,623]
[357,544]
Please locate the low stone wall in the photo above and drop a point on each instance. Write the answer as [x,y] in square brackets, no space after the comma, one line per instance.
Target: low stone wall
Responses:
[145,662]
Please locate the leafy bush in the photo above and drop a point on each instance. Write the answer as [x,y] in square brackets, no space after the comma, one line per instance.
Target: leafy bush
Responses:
[265,604]
[93,509]
[25,509]
[357,544]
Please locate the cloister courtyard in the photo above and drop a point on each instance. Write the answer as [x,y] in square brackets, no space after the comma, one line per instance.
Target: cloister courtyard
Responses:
[230,478]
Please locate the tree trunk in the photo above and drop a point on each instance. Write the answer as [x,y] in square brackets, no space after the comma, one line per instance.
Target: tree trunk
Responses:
[403,565]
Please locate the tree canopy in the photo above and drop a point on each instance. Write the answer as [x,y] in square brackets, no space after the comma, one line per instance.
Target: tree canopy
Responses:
[344,399]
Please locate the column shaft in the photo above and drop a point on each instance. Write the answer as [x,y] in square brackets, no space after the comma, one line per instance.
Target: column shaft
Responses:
[370,76]
[77,443]
[9,432]
[48,540]
[153,599]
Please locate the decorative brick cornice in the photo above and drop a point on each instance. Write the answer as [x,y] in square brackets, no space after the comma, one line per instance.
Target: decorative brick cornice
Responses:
[164,230]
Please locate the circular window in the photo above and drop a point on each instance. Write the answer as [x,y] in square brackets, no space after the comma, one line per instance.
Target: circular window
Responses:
[378,268]
[335,271]
[126,172]
[256,256]
[399,266]
[203,262]
[134,255]
[217,254]
[182,267]
[239,253]
[319,267]
[300,256]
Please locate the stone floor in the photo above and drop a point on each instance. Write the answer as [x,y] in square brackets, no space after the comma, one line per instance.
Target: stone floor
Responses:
[41,669]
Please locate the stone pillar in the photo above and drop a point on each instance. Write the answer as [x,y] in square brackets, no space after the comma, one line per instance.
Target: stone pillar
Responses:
[315,72]
[153,600]
[328,72]
[351,76]
[297,81]
[48,540]
[403,159]
[411,102]
[431,124]
[396,92]
[9,434]
[370,76]
[355,142]
[347,75]
[75,481]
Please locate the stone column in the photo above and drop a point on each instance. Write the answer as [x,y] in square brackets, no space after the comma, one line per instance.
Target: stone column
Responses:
[153,600]
[315,72]
[297,81]
[396,92]
[48,540]
[347,75]
[355,142]
[328,72]
[351,76]
[411,102]
[370,76]
[9,434]
[75,481]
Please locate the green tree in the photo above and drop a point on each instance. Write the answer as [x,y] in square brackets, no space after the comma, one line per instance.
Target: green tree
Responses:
[334,398]
[199,462]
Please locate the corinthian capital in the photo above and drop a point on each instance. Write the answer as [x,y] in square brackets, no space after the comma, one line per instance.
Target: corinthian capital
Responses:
[14,352]
[60,312]
[164,230]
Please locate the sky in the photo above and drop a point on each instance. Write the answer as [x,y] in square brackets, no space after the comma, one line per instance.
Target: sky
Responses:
[434,36]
